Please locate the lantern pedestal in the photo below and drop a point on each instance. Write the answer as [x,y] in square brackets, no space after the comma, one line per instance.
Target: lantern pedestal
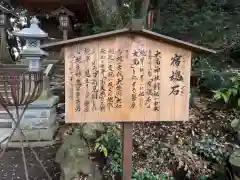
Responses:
[39,121]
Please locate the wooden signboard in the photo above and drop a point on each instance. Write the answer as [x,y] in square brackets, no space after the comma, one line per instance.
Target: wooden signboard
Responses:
[126,76]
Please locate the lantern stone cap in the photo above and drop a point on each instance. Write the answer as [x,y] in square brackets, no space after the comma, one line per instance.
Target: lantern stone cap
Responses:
[127,32]
[33,31]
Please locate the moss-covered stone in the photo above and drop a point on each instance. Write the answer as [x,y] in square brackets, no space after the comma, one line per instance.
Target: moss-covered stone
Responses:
[90,130]
[73,156]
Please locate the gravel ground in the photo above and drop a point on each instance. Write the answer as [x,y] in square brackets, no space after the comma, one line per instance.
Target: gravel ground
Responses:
[11,164]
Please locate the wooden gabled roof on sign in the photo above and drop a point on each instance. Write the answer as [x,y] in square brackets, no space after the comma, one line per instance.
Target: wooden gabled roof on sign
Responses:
[144,32]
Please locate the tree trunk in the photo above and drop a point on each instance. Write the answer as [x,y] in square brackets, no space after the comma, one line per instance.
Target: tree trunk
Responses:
[158,16]
[104,6]
[120,3]
[144,8]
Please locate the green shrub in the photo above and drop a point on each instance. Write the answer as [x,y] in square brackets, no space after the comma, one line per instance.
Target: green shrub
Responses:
[148,175]
[230,94]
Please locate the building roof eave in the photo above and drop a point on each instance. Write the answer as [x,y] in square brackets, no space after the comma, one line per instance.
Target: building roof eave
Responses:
[6,10]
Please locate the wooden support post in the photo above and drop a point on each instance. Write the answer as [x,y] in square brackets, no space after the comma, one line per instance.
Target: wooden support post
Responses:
[127,150]
[65,34]
[127,165]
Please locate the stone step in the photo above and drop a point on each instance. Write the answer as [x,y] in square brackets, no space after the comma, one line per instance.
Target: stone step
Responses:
[4,115]
[3,92]
[15,66]
[45,134]
[2,83]
[8,93]
[61,89]
[4,134]
[9,97]
[31,144]
[5,120]
[3,87]
[59,75]
[59,66]
[5,124]
[57,83]
[2,109]
[59,71]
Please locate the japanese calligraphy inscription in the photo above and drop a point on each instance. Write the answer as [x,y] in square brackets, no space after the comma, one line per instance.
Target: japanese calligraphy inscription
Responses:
[127,78]
[69,81]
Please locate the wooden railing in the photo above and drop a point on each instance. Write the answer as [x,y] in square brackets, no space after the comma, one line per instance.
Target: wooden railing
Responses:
[5,120]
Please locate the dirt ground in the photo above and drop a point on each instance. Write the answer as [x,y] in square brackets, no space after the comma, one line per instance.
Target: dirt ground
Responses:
[204,119]
[11,164]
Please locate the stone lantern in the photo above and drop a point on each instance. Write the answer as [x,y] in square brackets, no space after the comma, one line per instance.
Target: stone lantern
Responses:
[39,121]
[63,15]
[32,55]
[32,52]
